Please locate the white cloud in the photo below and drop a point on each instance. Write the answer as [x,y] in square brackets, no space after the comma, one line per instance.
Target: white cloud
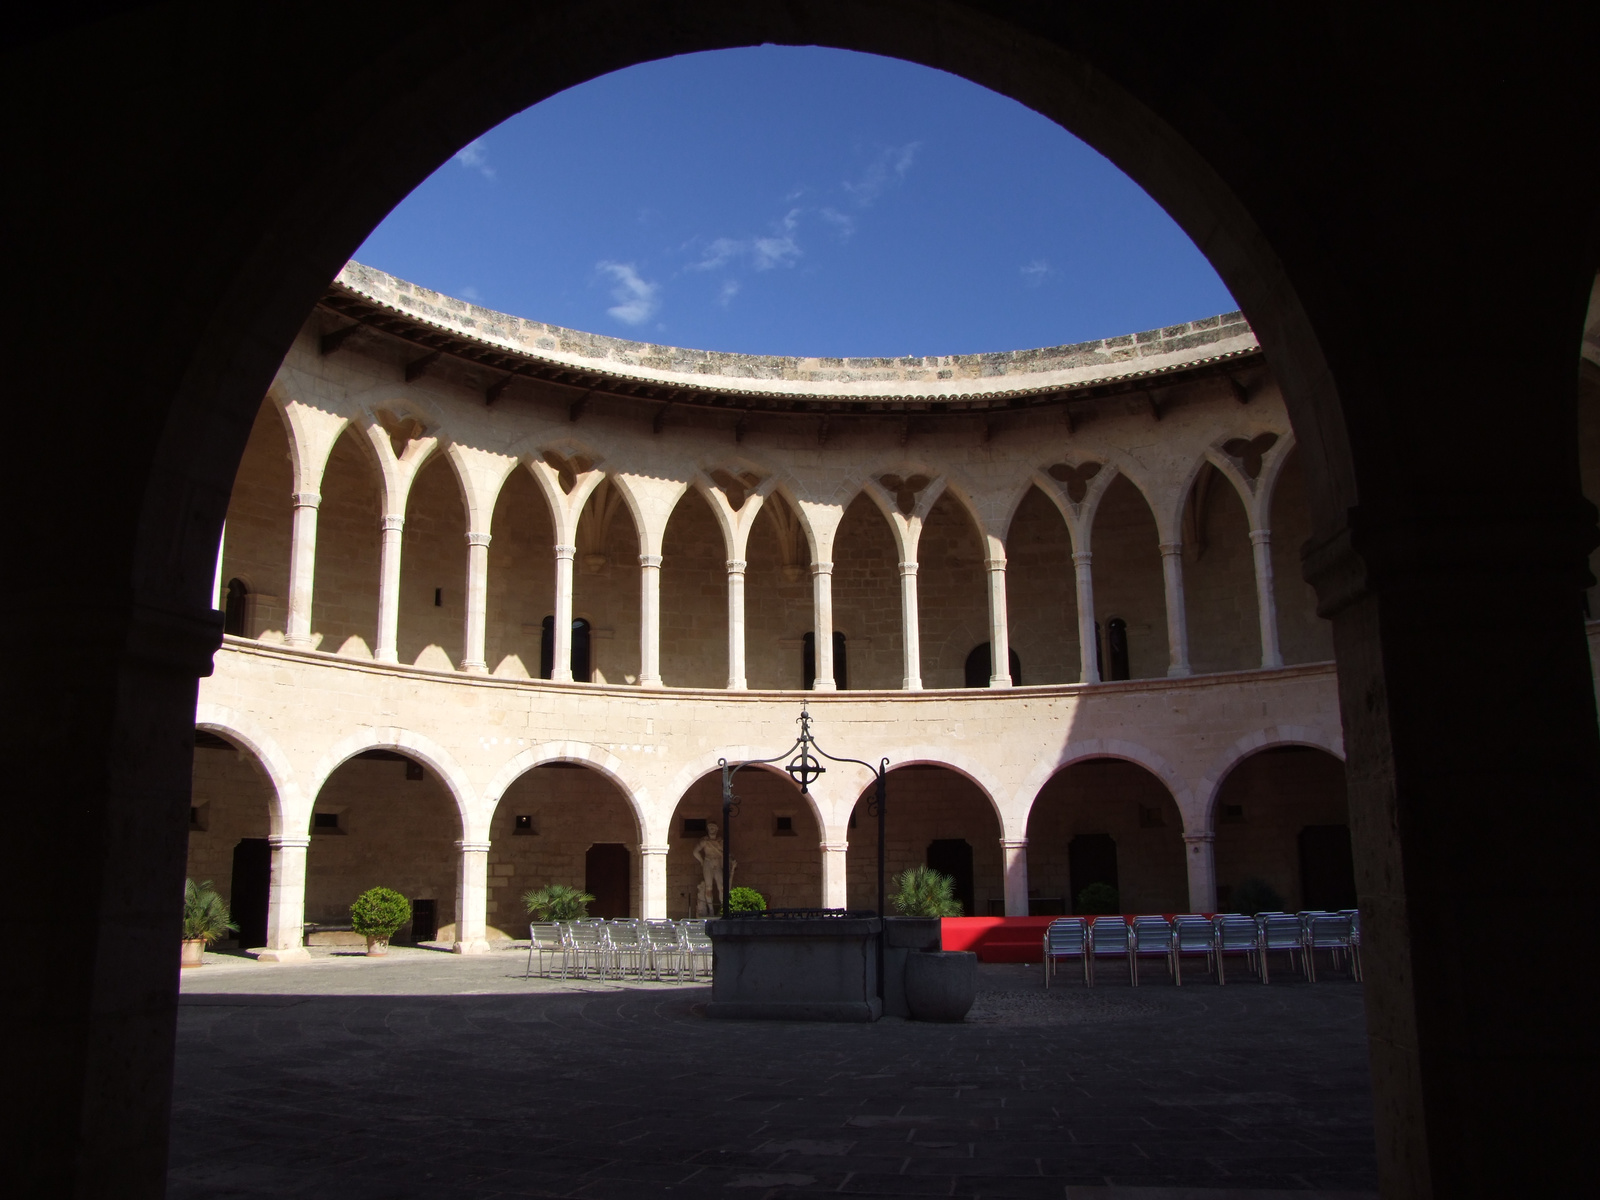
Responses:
[475,157]
[470,293]
[1037,272]
[778,249]
[636,299]
[843,223]
[888,168]
[730,289]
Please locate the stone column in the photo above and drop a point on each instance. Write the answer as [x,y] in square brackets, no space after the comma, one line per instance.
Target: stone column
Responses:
[999,637]
[219,594]
[1015,853]
[822,603]
[472,898]
[389,589]
[561,635]
[1088,636]
[477,602]
[1266,600]
[1202,862]
[910,629]
[653,882]
[835,883]
[650,629]
[286,900]
[302,569]
[1177,619]
[736,679]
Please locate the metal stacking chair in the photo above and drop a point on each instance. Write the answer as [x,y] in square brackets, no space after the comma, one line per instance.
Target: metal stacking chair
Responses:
[1281,932]
[1334,932]
[625,949]
[1111,937]
[663,948]
[584,943]
[1237,934]
[544,939]
[1153,938]
[1193,935]
[1066,937]
[696,946]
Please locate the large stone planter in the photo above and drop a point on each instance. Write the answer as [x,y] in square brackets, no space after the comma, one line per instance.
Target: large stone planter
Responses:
[905,937]
[795,968]
[194,950]
[941,984]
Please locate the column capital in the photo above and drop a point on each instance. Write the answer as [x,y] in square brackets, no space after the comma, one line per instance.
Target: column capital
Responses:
[472,847]
[650,562]
[565,552]
[1171,549]
[477,539]
[834,847]
[908,568]
[391,521]
[736,566]
[1261,537]
[1082,558]
[1014,843]
[994,564]
[821,568]
[307,499]
[288,841]
[660,851]
[1196,838]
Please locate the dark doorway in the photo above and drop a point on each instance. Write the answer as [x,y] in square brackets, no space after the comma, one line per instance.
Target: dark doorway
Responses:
[980,667]
[953,857]
[605,877]
[247,890]
[1091,858]
[1117,635]
[581,671]
[233,608]
[424,920]
[1327,868]
[808,663]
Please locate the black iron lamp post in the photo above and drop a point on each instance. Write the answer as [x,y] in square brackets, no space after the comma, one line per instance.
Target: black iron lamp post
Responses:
[804,767]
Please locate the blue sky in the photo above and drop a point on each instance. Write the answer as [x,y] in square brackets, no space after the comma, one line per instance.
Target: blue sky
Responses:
[782,200]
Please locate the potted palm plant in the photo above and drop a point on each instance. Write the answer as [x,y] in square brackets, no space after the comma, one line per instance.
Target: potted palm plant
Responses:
[205,919]
[556,902]
[940,985]
[376,914]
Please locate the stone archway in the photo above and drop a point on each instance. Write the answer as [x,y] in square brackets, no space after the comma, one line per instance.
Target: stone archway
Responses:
[1278,818]
[776,840]
[934,811]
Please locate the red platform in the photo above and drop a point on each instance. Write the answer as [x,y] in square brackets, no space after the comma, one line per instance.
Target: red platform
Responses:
[1005,939]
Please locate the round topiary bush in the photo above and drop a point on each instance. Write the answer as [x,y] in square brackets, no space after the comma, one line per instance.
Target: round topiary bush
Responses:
[743,899]
[379,911]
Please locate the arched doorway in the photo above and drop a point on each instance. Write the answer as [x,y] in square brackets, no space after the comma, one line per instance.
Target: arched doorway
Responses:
[775,839]
[938,817]
[567,823]
[1106,821]
[383,820]
[230,815]
[1281,817]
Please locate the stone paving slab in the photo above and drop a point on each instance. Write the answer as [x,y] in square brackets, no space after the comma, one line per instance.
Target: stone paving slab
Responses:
[431,1075]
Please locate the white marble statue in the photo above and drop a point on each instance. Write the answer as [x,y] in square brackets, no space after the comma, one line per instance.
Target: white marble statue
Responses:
[708,853]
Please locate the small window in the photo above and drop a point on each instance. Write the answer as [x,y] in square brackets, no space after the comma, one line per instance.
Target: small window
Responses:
[784,827]
[524,825]
[1232,812]
[414,771]
[325,822]
[233,608]
[438,597]
[694,827]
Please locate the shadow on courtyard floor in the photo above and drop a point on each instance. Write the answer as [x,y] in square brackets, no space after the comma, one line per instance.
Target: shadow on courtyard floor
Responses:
[372,1081]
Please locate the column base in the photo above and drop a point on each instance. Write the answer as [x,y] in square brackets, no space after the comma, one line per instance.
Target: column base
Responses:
[294,954]
[911,685]
[1178,672]
[298,643]
[475,946]
[654,681]
[821,686]
[1000,681]
[386,656]
[475,668]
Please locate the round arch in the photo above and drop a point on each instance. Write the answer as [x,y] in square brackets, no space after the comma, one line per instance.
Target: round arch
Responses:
[413,745]
[1205,792]
[249,735]
[1022,799]
[583,754]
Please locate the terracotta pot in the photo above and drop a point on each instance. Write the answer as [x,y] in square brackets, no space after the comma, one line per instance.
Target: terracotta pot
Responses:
[193,950]
[377,947]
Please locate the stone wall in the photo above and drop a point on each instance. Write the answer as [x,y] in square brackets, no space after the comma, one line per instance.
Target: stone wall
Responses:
[1278,793]
[344,613]
[1041,595]
[784,866]
[1127,578]
[232,799]
[1304,636]
[255,547]
[433,571]
[1219,578]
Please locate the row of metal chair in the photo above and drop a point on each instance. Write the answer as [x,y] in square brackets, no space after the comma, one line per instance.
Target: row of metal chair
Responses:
[619,948]
[1255,939]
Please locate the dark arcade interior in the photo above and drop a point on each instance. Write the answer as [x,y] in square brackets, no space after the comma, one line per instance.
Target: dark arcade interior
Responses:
[1403,200]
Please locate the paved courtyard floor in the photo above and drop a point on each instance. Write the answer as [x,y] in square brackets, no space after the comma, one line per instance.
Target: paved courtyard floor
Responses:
[429,1075]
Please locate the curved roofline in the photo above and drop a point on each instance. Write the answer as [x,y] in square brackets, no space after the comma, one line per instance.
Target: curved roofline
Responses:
[519,346]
